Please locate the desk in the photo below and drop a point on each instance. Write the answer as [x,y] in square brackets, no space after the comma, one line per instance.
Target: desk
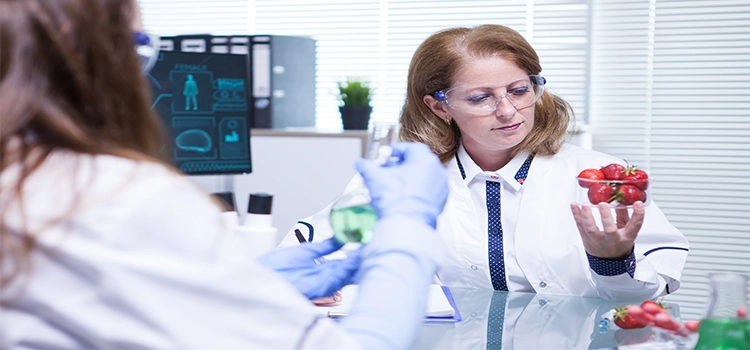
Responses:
[534,321]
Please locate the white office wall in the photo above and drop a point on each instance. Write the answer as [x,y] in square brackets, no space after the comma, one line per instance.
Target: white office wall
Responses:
[303,173]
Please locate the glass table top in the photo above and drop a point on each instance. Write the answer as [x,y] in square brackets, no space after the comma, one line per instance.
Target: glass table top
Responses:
[527,321]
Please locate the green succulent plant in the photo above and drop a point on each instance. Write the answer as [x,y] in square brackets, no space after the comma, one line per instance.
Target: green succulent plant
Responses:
[354,92]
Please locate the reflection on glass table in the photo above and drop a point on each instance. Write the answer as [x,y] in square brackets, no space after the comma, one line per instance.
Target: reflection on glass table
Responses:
[495,320]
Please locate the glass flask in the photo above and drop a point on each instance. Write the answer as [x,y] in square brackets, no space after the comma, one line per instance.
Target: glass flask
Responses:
[723,327]
[352,217]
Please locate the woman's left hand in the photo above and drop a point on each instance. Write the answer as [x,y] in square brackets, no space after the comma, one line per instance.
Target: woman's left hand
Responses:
[617,237]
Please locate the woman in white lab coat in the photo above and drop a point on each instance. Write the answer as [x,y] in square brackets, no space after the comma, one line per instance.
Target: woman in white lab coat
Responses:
[103,246]
[476,97]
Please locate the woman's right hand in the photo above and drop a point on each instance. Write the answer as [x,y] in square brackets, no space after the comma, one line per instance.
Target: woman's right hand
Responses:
[416,185]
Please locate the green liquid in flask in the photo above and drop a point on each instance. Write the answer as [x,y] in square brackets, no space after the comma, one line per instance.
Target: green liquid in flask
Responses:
[353,224]
[724,334]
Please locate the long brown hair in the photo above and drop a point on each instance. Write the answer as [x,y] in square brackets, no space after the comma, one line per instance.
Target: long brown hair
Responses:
[69,79]
[433,68]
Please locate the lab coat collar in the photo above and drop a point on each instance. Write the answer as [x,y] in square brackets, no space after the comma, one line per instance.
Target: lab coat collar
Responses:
[469,169]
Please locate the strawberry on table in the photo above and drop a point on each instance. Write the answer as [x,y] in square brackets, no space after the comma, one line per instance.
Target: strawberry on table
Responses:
[625,321]
[613,171]
[651,302]
[589,174]
[600,192]
[664,320]
[653,313]
[653,307]
[637,313]
[692,325]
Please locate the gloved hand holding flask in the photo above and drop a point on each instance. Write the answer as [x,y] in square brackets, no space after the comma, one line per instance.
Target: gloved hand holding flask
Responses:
[398,188]
[408,193]
[352,216]
[396,191]
[303,267]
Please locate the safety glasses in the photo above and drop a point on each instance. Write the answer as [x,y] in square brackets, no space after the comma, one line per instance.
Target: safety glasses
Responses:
[484,99]
[147,47]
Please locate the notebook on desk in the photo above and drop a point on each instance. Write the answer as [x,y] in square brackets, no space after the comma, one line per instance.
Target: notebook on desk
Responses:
[441,307]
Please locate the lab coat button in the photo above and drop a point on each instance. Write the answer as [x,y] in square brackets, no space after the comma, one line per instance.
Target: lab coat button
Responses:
[543,284]
[542,302]
[473,314]
[473,267]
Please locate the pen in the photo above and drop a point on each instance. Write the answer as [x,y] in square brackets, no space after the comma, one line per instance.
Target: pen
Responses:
[302,239]
[299,235]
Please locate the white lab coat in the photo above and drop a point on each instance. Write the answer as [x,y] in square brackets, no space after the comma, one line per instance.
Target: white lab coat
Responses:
[136,266]
[548,246]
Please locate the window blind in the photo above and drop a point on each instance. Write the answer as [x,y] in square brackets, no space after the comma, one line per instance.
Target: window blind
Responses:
[671,92]
[376,39]
[172,17]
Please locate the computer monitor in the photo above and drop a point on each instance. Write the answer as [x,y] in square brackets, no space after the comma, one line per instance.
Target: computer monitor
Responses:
[202,100]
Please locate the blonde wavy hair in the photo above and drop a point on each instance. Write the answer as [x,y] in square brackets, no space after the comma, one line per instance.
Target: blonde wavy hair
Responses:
[433,68]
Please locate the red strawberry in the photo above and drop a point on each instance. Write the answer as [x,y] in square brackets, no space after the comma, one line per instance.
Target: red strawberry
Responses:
[692,325]
[639,314]
[613,171]
[652,305]
[664,320]
[638,176]
[624,321]
[629,194]
[600,192]
[589,174]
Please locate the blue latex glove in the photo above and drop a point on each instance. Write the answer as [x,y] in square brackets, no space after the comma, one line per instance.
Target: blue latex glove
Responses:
[415,186]
[301,266]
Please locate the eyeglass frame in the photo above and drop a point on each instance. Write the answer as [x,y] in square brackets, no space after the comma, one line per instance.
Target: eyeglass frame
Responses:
[147,40]
[538,80]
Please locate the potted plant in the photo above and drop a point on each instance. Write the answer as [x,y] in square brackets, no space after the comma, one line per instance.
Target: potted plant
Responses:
[355,112]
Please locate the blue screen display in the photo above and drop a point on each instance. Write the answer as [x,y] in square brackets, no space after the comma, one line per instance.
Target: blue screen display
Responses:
[202,99]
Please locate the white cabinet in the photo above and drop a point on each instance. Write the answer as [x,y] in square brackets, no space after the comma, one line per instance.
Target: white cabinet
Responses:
[304,169]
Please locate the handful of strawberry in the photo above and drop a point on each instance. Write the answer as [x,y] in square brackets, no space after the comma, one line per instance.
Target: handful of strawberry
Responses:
[632,316]
[651,313]
[614,182]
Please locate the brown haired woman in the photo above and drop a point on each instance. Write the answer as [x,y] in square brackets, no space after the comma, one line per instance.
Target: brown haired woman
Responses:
[475,96]
[103,246]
